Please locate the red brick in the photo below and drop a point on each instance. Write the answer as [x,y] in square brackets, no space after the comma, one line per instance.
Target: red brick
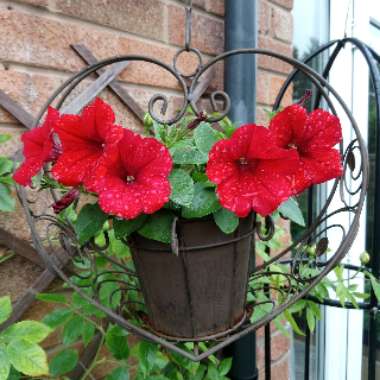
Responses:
[38,41]
[263,83]
[215,6]
[275,84]
[264,17]
[196,3]
[30,90]
[274,64]
[282,24]
[288,4]
[281,370]
[280,345]
[142,17]
[208,33]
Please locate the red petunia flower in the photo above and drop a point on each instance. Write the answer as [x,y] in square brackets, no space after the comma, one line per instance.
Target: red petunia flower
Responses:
[85,139]
[39,149]
[137,182]
[314,135]
[251,171]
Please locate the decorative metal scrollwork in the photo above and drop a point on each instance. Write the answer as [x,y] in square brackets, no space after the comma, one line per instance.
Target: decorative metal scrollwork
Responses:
[117,281]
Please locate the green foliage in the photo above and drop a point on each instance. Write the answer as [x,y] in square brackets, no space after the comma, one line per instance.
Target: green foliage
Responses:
[291,210]
[204,203]
[226,220]
[19,345]
[63,362]
[5,308]
[118,374]
[123,228]
[182,187]
[205,137]
[90,222]
[7,201]
[117,342]
[186,153]
[158,227]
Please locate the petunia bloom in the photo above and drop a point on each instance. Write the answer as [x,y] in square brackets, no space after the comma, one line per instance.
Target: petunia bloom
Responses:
[137,182]
[39,149]
[251,171]
[85,139]
[314,135]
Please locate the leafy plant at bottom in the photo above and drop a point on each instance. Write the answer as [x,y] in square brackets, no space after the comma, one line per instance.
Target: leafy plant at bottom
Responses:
[19,345]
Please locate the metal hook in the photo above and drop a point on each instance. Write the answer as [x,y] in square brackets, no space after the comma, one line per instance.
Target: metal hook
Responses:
[188,17]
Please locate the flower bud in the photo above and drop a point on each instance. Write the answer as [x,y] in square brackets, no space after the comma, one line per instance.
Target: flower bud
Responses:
[365,258]
[66,200]
[148,121]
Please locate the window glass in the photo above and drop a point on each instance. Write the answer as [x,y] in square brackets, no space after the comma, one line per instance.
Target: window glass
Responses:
[311,30]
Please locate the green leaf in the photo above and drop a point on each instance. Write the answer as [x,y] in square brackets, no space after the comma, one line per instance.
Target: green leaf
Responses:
[227,126]
[280,327]
[124,228]
[109,294]
[185,153]
[6,166]
[7,202]
[310,318]
[212,373]
[31,331]
[5,365]
[182,187]
[118,374]
[293,323]
[64,362]
[375,286]
[158,227]
[291,210]
[5,308]
[117,342]
[28,358]
[57,317]
[90,222]
[147,355]
[4,137]
[205,137]
[88,333]
[204,203]
[52,298]
[226,220]
[73,330]
[225,366]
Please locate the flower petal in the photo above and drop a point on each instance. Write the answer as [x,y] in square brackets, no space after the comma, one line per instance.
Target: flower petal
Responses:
[323,130]
[38,148]
[288,125]
[220,165]
[72,168]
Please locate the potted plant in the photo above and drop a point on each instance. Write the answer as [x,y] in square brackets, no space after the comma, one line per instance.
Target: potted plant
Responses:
[186,198]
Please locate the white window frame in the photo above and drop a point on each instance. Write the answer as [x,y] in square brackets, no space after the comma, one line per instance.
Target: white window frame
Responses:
[342,330]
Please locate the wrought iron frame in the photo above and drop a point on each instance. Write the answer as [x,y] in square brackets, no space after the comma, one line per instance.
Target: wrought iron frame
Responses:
[297,287]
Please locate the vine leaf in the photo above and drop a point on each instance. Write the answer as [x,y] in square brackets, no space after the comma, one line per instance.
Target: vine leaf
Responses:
[5,308]
[64,362]
[90,222]
[28,358]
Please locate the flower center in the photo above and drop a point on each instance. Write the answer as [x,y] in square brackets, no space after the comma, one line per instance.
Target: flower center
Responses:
[130,178]
[243,161]
[245,164]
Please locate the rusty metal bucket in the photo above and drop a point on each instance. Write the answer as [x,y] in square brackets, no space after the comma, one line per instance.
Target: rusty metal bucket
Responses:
[201,293]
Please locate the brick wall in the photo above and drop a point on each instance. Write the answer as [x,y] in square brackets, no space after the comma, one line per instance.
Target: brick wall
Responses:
[35,57]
